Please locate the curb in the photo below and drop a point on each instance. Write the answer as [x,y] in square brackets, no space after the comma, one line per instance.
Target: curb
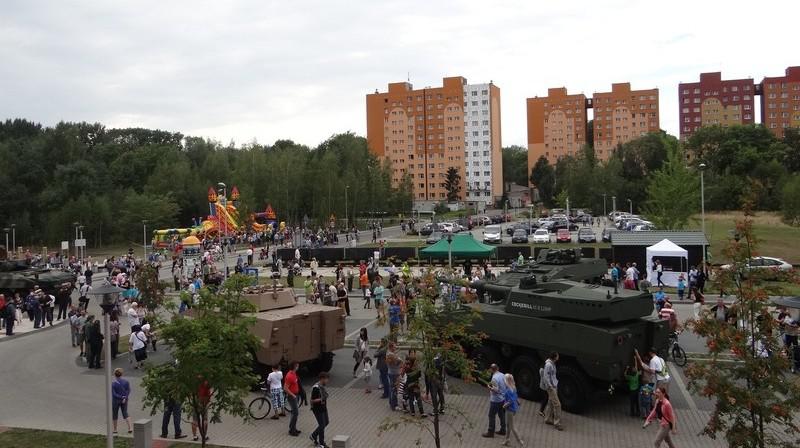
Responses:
[36,331]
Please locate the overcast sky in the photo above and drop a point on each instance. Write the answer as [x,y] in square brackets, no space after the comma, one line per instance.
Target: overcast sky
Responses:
[300,70]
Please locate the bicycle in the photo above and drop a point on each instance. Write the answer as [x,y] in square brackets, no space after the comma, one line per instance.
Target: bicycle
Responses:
[260,407]
[676,351]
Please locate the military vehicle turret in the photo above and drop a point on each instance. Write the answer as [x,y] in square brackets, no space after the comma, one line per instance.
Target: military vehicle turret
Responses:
[550,264]
[291,331]
[594,328]
[18,276]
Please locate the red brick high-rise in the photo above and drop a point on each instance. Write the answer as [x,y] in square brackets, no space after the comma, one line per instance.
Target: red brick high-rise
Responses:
[714,101]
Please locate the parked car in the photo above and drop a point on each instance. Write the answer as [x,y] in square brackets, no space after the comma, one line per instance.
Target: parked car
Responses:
[541,236]
[426,230]
[520,236]
[586,235]
[606,237]
[484,221]
[764,263]
[434,237]
[563,236]
[493,235]
[643,227]
[496,219]
[555,226]
[518,226]
[447,227]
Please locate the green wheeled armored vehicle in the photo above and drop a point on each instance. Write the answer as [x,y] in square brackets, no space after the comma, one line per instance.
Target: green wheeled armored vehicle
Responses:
[595,329]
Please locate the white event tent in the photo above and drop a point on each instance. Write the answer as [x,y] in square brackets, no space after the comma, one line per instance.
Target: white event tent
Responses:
[674,262]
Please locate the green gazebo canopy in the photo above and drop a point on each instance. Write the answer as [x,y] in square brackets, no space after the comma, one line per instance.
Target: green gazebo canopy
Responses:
[462,246]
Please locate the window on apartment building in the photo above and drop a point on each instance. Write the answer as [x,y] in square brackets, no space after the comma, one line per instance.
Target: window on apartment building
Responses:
[486,163]
[475,143]
[696,91]
[685,110]
[486,142]
[475,153]
[474,93]
[484,92]
[686,129]
[476,163]
[696,119]
[484,102]
[475,133]
[476,173]
[686,101]
[474,103]
[685,91]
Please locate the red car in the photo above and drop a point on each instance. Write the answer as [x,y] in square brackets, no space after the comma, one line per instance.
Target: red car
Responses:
[563,236]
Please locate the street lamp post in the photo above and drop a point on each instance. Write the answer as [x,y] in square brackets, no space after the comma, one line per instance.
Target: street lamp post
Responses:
[6,230]
[630,205]
[567,213]
[144,238]
[223,189]
[703,209]
[108,294]
[604,205]
[347,221]
[83,247]
[450,251]
[613,204]
[76,224]
[14,238]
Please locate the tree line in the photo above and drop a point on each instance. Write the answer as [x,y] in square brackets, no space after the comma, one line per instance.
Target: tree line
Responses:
[660,175]
[110,180]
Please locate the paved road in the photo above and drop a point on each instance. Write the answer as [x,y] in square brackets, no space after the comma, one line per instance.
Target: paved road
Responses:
[49,387]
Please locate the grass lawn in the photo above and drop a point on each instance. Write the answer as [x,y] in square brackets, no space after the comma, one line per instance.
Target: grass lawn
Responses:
[37,438]
[775,239]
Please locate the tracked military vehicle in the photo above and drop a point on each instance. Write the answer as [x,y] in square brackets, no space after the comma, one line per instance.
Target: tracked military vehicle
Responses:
[551,264]
[18,276]
[291,331]
[594,328]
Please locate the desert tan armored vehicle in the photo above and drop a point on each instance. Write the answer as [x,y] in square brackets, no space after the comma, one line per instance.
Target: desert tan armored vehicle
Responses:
[291,331]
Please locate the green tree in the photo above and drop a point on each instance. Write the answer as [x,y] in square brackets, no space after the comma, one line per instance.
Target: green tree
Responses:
[440,333]
[672,194]
[452,183]
[790,206]
[515,165]
[561,200]
[543,178]
[214,349]
[754,402]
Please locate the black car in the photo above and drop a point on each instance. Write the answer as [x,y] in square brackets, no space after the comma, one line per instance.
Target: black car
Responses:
[426,230]
[586,235]
[607,234]
[554,226]
[519,236]
[496,219]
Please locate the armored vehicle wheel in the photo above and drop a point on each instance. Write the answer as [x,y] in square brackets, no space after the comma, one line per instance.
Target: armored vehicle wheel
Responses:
[526,374]
[573,389]
[485,356]
[323,363]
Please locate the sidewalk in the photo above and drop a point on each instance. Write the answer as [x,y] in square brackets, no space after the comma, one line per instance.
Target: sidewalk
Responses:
[26,327]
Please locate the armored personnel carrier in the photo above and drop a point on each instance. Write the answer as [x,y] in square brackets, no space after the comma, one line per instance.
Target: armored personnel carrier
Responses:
[551,264]
[594,328]
[291,331]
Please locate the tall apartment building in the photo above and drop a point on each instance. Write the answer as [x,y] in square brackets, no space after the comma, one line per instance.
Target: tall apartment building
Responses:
[780,101]
[622,115]
[557,122]
[714,101]
[424,132]
[556,125]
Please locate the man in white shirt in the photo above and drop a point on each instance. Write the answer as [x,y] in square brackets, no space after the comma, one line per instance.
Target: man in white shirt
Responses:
[249,256]
[657,367]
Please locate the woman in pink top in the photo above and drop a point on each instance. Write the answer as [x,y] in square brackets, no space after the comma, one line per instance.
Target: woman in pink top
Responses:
[666,418]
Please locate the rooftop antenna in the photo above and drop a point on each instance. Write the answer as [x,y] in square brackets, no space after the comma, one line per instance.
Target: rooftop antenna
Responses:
[408,76]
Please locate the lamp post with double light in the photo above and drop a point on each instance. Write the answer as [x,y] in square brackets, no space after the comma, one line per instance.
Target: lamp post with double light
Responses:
[14,238]
[450,251]
[108,295]
[703,209]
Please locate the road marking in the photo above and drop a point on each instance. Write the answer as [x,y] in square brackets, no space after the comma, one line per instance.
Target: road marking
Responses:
[682,386]
[353,334]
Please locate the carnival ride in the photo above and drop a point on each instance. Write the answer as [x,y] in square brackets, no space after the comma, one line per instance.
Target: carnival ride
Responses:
[223,219]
